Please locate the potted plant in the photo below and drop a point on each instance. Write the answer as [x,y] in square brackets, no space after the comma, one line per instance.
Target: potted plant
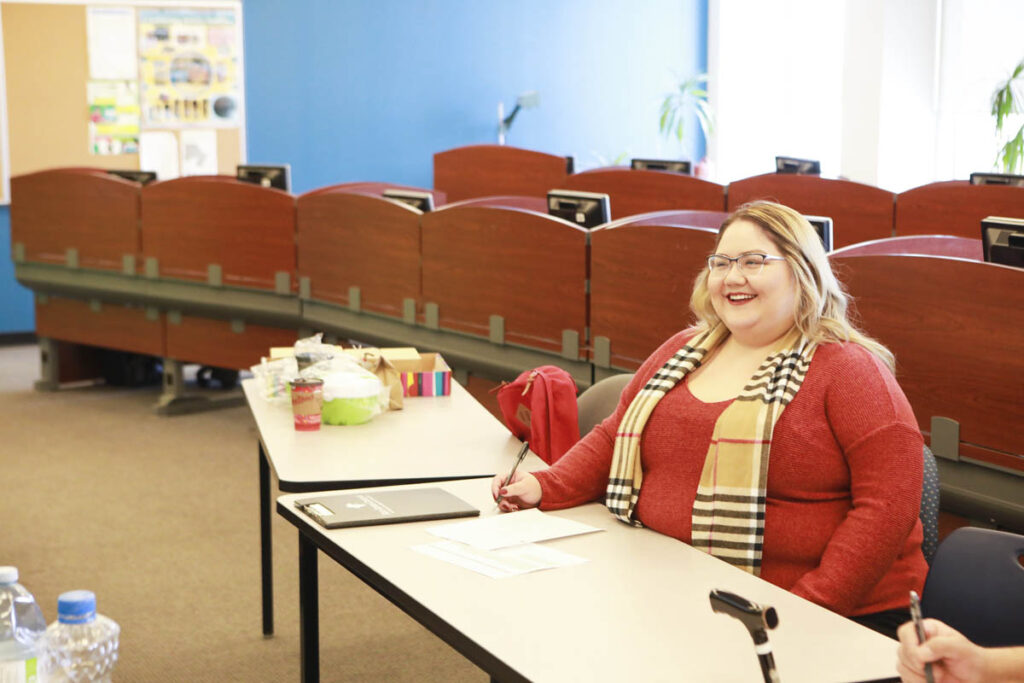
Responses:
[690,97]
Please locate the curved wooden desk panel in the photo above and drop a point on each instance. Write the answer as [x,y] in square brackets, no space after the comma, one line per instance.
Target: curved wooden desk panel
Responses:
[955,327]
[246,229]
[488,170]
[214,342]
[641,277]
[508,201]
[79,208]
[375,189]
[680,219]
[633,192]
[527,267]
[955,207]
[348,239]
[111,326]
[859,212]
[923,245]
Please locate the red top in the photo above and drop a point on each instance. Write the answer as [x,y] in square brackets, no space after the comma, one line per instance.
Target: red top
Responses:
[844,479]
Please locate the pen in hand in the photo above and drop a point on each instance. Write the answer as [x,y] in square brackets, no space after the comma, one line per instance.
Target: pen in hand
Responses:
[519,458]
[915,614]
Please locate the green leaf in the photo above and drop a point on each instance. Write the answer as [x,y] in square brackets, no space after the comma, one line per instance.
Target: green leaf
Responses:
[1011,155]
[1008,98]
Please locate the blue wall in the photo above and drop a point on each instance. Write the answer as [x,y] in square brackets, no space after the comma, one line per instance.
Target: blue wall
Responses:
[371,89]
[349,90]
[17,313]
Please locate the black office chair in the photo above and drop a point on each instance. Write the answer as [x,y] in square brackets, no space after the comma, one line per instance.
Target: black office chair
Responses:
[599,401]
[976,585]
[930,506]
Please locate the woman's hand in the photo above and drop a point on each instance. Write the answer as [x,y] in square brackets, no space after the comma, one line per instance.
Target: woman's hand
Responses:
[522,492]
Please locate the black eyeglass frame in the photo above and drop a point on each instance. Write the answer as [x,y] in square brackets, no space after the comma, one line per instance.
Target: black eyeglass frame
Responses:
[765,258]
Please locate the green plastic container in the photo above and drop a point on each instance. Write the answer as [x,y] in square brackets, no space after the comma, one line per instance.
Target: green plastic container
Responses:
[350,399]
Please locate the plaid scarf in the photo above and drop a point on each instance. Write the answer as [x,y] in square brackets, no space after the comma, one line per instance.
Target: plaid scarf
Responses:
[728,513]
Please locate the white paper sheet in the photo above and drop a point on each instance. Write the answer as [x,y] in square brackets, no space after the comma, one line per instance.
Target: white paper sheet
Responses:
[512,528]
[112,47]
[158,151]
[198,152]
[499,564]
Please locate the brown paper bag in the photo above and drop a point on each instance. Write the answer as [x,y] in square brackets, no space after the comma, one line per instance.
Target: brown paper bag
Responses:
[372,360]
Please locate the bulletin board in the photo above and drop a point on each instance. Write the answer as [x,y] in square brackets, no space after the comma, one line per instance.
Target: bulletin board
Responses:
[53,105]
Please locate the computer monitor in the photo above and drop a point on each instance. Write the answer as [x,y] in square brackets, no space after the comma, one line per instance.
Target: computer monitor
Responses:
[822,226]
[997,179]
[424,201]
[586,209]
[267,176]
[670,165]
[798,166]
[142,177]
[1003,240]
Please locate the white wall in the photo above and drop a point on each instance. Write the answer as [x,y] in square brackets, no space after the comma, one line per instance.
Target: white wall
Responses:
[983,40]
[893,93]
[775,84]
[861,105]
[908,105]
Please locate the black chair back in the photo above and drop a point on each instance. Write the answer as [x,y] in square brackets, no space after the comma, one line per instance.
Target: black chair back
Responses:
[976,585]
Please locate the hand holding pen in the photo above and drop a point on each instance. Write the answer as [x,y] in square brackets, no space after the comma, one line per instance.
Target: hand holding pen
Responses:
[516,489]
[952,656]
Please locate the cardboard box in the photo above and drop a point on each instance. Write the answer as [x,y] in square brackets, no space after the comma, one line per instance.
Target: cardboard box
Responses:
[427,376]
[422,374]
[392,354]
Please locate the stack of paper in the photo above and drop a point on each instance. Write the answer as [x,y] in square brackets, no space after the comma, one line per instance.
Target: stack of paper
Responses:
[505,545]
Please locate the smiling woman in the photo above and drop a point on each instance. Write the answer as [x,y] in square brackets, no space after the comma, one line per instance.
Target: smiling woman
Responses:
[820,308]
[772,434]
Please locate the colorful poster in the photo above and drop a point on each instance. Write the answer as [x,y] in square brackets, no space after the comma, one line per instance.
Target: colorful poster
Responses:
[189,68]
[113,117]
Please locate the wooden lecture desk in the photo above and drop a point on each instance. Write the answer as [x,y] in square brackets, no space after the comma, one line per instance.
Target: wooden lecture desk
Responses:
[431,439]
[637,610]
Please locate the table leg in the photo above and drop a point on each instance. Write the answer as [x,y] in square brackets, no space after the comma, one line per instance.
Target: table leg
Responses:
[266,546]
[309,610]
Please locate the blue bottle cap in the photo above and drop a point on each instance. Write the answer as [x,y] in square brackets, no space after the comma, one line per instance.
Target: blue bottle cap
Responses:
[76,607]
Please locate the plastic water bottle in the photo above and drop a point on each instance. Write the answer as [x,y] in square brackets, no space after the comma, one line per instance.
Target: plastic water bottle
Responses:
[21,630]
[82,644]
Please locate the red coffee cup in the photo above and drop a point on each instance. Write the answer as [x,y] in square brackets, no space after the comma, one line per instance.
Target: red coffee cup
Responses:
[307,400]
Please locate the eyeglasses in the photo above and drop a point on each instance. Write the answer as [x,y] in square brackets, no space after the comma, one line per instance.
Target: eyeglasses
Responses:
[750,264]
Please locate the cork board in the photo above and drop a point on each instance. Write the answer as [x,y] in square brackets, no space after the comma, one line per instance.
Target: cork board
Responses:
[47,71]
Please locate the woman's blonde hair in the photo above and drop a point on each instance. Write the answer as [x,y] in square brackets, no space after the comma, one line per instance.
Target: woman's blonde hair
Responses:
[821,305]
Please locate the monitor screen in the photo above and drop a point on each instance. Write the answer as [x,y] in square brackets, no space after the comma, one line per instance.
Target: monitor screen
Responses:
[997,179]
[798,166]
[136,176]
[823,226]
[586,209]
[267,176]
[424,201]
[1003,240]
[670,165]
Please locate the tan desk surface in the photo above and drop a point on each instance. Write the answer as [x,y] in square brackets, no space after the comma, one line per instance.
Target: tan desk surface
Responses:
[638,610]
[430,438]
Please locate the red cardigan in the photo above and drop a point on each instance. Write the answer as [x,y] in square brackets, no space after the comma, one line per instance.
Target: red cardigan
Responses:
[844,479]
